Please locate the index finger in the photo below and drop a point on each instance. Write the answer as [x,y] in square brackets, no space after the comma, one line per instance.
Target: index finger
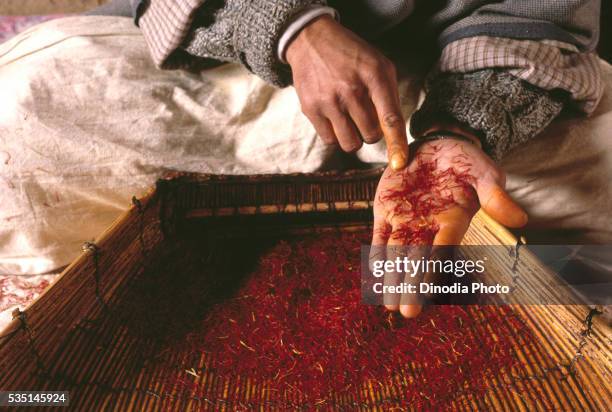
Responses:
[387,103]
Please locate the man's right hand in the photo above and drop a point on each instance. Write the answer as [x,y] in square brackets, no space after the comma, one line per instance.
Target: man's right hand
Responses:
[347,89]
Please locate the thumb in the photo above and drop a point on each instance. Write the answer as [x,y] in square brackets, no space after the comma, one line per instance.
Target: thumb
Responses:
[499,205]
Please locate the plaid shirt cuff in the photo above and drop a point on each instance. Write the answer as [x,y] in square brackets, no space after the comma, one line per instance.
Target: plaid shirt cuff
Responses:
[547,64]
[165,24]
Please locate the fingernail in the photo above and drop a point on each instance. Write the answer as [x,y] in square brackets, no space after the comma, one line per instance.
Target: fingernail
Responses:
[373,138]
[410,311]
[398,161]
[524,218]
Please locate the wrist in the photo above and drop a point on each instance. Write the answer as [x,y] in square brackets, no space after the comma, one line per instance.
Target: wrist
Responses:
[306,36]
[298,23]
[445,135]
[451,131]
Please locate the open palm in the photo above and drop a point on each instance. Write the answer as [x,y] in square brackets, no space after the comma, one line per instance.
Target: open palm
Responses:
[431,203]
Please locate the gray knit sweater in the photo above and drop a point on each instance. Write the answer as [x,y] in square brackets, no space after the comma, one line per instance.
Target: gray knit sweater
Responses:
[246,32]
[506,110]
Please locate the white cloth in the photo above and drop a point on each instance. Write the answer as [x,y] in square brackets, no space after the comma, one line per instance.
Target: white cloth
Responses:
[87,121]
[562,177]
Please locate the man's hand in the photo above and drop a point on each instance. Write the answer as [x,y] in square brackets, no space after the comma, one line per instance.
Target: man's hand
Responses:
[347,89]
[432,201]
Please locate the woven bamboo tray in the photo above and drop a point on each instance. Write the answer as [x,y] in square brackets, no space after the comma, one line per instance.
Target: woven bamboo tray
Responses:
[73,337]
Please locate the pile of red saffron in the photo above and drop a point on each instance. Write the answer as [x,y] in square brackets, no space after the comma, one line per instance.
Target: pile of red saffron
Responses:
[293,322]
[298,325]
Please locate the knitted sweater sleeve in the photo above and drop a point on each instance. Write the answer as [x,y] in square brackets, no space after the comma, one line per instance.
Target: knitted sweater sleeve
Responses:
[246,32]
[506,110]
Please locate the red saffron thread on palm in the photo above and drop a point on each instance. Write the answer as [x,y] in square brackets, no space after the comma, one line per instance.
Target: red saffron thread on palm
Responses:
[425,192]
